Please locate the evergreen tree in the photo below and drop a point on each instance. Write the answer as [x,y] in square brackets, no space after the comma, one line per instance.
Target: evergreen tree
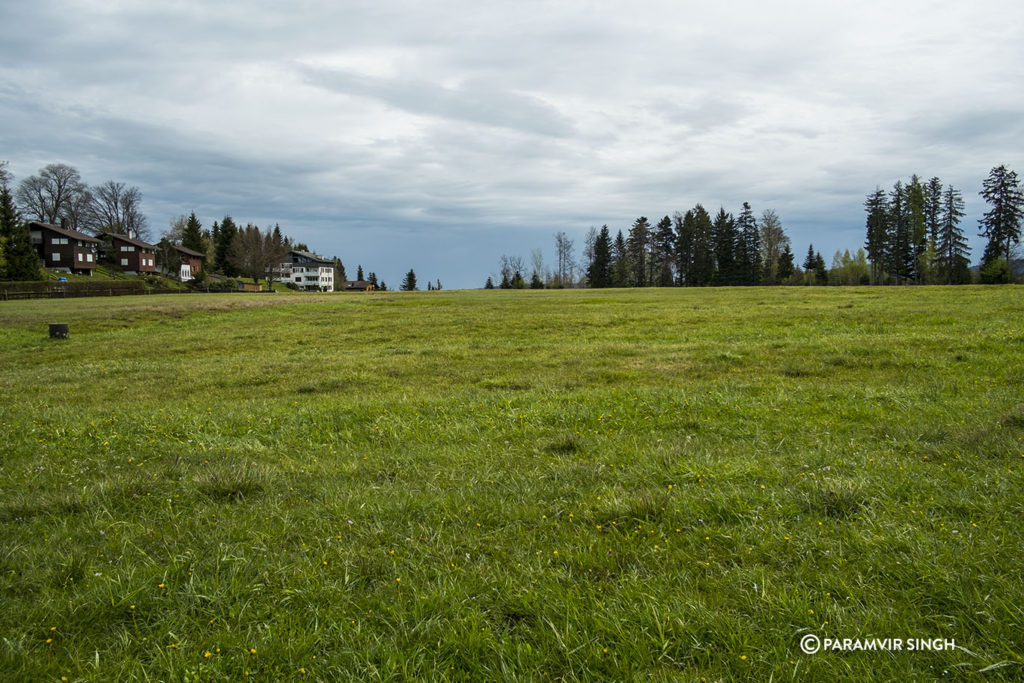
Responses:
[599,274]
[339,272]
[662,253]
[359,273]
[702,269]
[489,284]
[784,267]
[748,248]
[620,262]
[820,270]
[684,247]
[877,243]
[517,281]
[535,281]
[916,204]
[225,236]
[371,278]
[933,204]
[809,267]
[899,248]
[192,237]
[725,239]
[21,262]
[637,245]
[383,286]
[951,245]
[1001,224]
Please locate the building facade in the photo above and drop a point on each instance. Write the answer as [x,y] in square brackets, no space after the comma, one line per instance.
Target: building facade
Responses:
[132,255]
[309,272]
[63,249]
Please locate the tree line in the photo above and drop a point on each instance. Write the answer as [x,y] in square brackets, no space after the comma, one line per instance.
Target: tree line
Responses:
[914,236]
[914,233]
[691,249]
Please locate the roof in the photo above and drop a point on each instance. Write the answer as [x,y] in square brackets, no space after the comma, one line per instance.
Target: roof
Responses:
[129,240]
[358,284]
[189,252]
[312,257]
[73,234]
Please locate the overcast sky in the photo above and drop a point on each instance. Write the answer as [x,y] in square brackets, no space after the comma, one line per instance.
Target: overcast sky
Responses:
[440,135]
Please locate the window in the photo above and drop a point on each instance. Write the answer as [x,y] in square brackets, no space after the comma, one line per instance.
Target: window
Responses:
[59,240]
[124,262]
[55,256]
[81,257]
[88,257]
[124,248]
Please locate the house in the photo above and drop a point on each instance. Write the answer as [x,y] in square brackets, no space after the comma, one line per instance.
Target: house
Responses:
[191,263]
[64,249]
[132,255]
[359,286]
[309,272]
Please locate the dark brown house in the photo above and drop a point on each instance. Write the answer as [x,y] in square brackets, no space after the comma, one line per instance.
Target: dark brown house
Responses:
[359,286]
[191,263]
[64,249]
[132,255]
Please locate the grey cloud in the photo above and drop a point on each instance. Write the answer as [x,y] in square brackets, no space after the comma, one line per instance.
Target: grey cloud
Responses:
[474,102]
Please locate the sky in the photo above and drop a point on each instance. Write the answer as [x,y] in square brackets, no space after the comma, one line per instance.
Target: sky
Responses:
[441,135]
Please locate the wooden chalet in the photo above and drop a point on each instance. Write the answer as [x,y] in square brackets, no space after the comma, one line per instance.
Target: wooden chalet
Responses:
[132,255]
[64,249]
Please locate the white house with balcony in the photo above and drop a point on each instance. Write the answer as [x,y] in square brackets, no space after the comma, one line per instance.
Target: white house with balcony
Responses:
[309,272]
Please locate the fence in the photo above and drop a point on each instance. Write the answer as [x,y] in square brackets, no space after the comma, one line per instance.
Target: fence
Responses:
[60,290]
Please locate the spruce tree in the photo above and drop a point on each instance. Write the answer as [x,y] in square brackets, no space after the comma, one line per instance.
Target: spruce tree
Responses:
[620,262]
[19,255]
[809,267]
[916,204]
[662,253]
[748,248]
[951,245]
[226,235]
[877,244]
[409,283]
[702,269]
[192,237]
[820,269]
[899,248]
[725,239]
[784,269]
[489,284]
[599,273]
[339,274]
[637,244]
[359,272]
[1001,224]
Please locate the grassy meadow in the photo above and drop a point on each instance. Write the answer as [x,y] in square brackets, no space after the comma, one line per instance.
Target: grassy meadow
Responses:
[491,485]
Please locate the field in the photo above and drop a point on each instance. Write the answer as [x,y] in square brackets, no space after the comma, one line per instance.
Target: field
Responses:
[579,485]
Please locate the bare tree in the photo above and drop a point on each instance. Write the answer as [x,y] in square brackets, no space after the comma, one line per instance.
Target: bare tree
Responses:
[54,194]
[537,259]
[588,247]
[773,243]
[118,208]
[566,264]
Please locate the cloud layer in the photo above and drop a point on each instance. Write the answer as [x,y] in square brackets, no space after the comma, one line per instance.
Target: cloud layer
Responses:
[441,135]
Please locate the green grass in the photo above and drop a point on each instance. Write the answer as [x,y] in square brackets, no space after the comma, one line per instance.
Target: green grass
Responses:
[574,485]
